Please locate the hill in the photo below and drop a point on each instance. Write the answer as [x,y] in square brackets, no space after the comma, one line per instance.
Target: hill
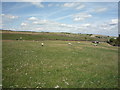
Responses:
[15,35]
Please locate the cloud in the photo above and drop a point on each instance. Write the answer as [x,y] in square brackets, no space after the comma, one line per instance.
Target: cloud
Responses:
[80,7]
[32,18]
[46,25]
[38,4]
[75,5]
[8,19]
[51,4]
[52,26]
[24,24]
[98,10]
[109,27]
[38,29]
[114,22]
[69,4]
[81,16]
[63,17]
[42,22]
[86,25]
[7,16]
[35,22]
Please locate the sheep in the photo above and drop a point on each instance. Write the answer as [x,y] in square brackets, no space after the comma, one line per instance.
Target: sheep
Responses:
[69,43]
[20,38]
[42,44]
[57,86]
[78,42]
[95,44]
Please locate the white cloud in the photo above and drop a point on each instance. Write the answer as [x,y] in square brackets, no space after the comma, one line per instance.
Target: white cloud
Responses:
[76,5]
[69,4]
[42,22]
[80,7]
[38,4]
[8,19]
[35,22]
[46,25]
[100,10]
[6,16]
[32,18]
[38,29]
[13,17]
[66,25]
[114,21]
[52,26]
[24,24]
[86,25]
[81,16]
[60,18]
[108,27]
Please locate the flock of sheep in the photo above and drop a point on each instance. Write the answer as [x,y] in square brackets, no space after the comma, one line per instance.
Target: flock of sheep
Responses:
[95,43]
[42,44]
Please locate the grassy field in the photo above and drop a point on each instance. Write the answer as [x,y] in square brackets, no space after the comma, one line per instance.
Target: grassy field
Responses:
[12,35]
[26,64]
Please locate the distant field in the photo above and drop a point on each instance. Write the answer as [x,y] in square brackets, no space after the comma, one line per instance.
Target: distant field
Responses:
[10,35]
[26,64]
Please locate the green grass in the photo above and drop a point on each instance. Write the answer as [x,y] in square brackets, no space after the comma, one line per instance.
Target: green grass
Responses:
[49,36]
[28,64]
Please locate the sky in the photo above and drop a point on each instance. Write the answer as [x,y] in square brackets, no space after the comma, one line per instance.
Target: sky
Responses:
[74,17]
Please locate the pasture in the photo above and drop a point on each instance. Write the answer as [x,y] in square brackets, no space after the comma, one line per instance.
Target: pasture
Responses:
[26,64]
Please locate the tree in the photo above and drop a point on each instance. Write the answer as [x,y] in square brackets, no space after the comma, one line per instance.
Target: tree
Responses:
[114,41]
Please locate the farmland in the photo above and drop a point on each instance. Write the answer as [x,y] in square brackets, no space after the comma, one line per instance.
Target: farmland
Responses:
[26,64]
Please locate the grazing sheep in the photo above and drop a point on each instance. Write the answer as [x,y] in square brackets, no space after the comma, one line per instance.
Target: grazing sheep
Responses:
[78,42]
[57,86]
[20,38]
[42,44]
[95,44]
[69,43]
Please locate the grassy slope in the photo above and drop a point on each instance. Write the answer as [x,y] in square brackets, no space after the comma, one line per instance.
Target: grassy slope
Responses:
[27,64]
[7,35]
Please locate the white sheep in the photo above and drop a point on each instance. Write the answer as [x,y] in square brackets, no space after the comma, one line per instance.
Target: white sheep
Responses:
[95,44]
[20,38]
[42,44]
[78,42]
[69,43]
[57,86]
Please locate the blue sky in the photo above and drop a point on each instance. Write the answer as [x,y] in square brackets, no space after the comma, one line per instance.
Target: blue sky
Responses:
[74,17]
